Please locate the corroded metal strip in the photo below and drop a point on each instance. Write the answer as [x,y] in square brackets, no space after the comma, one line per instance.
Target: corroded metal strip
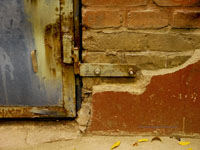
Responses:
[32,112]
[77,27]
[66,17]
[108,70]
[69,90]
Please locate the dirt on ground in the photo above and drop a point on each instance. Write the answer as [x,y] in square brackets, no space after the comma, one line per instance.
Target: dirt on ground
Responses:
[106,142]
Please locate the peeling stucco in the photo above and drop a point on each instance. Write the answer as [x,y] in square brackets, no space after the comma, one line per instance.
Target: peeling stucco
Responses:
[143,78]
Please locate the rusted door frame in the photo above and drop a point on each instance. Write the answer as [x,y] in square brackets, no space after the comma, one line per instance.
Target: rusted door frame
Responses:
[68,78]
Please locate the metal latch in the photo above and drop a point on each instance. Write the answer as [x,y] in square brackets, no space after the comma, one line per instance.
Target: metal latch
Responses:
[102,69]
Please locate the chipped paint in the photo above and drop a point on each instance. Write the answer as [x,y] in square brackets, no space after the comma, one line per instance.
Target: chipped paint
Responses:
[66,17]
[69,90]
[46,31]
[144,78]
[136,88]
[194,59]
[52,23]
[34,27]
[34,112]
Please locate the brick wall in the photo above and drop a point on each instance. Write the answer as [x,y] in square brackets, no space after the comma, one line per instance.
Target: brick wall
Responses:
[153,35]
[119,27]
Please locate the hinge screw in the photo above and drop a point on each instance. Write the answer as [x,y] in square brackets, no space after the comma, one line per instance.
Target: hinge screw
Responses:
[97,71]
[131,71]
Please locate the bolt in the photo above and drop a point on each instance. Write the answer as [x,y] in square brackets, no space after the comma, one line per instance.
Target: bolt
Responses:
[97,71]
[131,71]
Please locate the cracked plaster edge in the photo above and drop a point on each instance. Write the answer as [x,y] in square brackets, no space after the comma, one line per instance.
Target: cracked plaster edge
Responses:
[144,78]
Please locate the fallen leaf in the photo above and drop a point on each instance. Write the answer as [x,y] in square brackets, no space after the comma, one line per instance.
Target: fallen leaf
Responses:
[156,138]
[143,140]
[184,143]
[189,149]
[135,144]
[115,145]
[176,137]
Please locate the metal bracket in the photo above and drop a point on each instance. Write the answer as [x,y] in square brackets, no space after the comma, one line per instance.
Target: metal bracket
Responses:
[107,70]
[102,69]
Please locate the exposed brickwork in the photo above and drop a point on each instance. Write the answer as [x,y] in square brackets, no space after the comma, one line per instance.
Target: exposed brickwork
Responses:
[114,2]
[177,2]
[147,19]
[153,35]
[142,60]
[186,19]
[140,41]
[104,14]
[101,18]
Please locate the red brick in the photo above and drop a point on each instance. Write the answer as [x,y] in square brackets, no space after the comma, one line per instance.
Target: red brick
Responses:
[147,19]
[114,2]
[101,18]
[186,19]
[177,2]
[169,105]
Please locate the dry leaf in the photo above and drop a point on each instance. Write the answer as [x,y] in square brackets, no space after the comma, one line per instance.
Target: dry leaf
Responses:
[115,145]
[176,137]
[156,138]
[184,143]
[135,144]
[189,149]
[143,140]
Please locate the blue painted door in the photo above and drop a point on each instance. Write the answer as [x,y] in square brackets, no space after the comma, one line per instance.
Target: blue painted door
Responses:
[33,87]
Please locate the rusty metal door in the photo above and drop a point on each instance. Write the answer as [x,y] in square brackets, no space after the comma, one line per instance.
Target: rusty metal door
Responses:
[36,74]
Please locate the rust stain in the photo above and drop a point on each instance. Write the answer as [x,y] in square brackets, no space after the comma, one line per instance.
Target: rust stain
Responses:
[76,60]
[62,2]
[33,2]
[76,65]
[66,19]
[67,23]
[53,47]
[57,9]
[46,25]
[26,112]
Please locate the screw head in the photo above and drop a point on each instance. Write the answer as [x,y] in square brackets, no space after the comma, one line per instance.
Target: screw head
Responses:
[131,71]
[97,71]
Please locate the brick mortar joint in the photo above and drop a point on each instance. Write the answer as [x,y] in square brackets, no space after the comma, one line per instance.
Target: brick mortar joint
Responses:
[165,30]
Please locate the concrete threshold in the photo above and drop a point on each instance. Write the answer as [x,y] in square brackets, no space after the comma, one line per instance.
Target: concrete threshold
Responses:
[105,143]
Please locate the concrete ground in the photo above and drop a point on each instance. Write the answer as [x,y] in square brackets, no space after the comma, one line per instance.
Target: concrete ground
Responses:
[105,143]
[65,135]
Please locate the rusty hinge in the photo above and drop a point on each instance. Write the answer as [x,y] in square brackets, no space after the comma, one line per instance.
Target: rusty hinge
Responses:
[102,69]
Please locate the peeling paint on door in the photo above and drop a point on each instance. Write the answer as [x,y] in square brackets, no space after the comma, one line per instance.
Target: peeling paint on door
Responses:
[33,25]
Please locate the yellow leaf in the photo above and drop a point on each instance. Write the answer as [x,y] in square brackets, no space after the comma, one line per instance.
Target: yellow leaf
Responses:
[184,143]
[143,140]
[115,145]
[189,149]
